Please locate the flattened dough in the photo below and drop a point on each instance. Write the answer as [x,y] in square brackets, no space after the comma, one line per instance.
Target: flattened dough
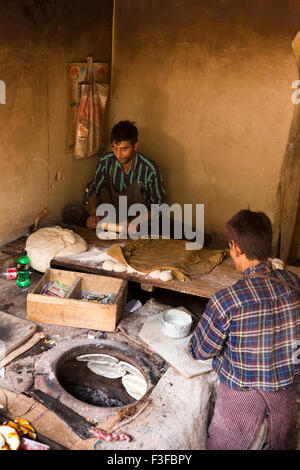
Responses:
[97,358]
[49,242]
[135,385]
[109,370]
[130,368]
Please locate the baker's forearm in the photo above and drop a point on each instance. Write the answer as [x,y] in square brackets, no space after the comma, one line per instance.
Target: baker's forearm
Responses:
[93,204]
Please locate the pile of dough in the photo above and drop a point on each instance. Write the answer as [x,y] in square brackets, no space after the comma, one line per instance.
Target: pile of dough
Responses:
[49,242]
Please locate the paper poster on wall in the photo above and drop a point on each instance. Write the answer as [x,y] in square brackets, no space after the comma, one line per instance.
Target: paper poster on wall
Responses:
[76,74]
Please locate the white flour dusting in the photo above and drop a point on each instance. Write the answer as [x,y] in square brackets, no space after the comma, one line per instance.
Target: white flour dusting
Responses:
[93,255]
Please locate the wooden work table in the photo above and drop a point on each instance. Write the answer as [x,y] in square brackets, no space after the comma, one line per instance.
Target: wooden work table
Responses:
[224,275]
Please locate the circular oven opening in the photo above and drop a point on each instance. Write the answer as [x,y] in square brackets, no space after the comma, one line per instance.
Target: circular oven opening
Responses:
[84,384]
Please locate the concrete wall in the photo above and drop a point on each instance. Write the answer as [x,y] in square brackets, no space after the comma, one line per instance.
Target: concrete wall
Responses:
[37,41]
[209,86]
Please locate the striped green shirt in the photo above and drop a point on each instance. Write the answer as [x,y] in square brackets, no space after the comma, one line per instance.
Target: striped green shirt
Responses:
[145,171]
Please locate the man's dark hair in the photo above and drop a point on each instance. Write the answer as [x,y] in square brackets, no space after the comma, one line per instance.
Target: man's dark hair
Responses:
[124,130]
[252,232]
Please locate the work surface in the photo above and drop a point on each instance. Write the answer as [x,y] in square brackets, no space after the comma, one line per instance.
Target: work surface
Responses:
[224,275]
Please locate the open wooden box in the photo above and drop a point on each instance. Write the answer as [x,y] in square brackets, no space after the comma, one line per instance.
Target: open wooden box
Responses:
[73,311]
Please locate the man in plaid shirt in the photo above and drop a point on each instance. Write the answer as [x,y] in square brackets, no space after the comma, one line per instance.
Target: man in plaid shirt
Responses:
[252,330]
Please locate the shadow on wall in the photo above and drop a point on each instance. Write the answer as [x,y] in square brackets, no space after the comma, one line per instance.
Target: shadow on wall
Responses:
[172,154]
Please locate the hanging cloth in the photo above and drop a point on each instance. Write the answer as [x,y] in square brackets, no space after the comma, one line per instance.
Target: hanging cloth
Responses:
[90,116]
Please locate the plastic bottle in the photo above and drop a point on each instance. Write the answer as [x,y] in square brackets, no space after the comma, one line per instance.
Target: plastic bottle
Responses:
[23,264]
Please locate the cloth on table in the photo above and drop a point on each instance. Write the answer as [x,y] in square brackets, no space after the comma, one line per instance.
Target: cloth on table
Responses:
[147,255]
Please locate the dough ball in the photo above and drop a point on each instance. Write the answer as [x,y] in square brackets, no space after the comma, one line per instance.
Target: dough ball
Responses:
[119,267]
[108,265]
[155,274]
[49,242]
[130,270]
[166,276]
[277,263]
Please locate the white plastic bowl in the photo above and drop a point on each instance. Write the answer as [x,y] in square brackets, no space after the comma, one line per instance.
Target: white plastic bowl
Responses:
[176,323]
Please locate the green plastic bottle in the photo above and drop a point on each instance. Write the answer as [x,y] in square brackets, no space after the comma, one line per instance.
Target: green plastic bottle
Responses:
[23,264]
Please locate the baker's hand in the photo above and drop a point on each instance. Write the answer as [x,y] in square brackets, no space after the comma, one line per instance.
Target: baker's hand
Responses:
[92,221]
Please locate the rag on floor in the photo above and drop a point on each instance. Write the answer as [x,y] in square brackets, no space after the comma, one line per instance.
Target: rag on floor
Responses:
[147,255]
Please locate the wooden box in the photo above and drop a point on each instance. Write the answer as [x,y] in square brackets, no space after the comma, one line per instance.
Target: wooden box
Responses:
[73,311]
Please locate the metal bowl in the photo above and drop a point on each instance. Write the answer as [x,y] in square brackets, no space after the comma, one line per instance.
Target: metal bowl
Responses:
[175,323]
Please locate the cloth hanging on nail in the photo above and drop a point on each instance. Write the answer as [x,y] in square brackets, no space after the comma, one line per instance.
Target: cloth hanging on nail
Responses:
[89,136]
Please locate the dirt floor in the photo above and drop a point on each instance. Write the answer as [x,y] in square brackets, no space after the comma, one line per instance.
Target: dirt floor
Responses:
[19,375]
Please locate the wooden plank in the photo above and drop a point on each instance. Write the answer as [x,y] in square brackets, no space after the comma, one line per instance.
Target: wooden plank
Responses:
[14,332]
[75,290]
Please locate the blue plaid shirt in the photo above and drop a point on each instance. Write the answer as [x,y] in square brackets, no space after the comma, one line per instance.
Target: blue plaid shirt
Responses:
[252,331]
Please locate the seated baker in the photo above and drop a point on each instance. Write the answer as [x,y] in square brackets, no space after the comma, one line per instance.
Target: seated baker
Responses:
[124,172]
[251,330]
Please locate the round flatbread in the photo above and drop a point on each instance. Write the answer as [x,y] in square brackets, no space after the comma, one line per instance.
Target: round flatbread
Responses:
[135,385]
[109,370]
[130,368]
[98,358]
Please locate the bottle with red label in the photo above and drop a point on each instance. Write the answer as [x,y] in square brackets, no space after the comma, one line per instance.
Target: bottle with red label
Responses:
[10,273]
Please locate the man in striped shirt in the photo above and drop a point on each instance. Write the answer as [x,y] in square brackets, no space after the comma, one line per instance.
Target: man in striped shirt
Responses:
[125,172]
[252,332]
